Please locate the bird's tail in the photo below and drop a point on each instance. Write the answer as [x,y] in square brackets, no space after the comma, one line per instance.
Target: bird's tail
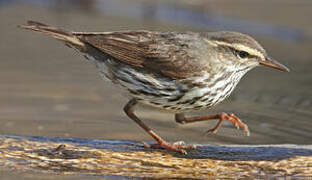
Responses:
[55,32]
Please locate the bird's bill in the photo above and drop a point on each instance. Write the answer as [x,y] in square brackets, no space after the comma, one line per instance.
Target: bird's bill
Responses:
[270,62]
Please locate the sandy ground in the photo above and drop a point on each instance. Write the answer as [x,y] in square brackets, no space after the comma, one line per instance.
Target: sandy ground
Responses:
[49,90]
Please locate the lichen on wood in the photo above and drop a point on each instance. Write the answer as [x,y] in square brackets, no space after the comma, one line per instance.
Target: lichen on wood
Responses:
[131,159]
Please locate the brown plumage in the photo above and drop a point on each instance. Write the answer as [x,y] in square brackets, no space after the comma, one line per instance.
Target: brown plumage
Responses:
[174,71]
[148,50]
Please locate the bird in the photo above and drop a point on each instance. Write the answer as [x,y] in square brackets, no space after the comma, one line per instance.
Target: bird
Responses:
[179,72]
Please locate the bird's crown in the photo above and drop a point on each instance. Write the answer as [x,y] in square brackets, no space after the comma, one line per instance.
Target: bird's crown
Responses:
[240,44]
[247,50]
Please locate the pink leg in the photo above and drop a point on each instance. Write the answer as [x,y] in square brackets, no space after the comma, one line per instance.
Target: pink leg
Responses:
[129,110]
[180,118]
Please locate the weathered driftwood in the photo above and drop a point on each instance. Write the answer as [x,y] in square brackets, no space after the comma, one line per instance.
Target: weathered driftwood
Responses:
[122,159]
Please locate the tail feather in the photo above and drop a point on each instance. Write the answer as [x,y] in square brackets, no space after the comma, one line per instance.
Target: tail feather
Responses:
[35,23]
[55,32]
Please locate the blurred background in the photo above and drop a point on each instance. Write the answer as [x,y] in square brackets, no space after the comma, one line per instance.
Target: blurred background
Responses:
[47,89]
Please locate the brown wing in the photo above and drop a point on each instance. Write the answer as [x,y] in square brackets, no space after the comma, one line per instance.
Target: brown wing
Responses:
[166,53]
[173,54]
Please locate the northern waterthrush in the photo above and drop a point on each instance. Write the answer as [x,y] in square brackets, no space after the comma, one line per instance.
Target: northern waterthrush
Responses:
[174,71]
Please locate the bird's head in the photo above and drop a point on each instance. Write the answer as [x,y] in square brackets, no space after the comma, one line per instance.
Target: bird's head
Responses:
[241,50]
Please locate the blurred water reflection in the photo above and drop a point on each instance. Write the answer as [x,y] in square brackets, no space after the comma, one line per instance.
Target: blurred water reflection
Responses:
[172,13]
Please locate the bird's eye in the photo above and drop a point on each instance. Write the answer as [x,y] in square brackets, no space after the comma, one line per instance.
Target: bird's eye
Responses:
[243,54]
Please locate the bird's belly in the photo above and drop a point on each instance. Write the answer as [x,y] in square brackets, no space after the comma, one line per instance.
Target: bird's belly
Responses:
[197,98]
[164,93]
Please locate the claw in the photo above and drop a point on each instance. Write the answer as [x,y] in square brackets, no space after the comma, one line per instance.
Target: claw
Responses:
[179,143]
[211,131]
[232,119]
[178,146]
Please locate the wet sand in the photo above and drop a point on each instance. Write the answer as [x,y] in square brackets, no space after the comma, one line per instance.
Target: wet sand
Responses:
[49,90]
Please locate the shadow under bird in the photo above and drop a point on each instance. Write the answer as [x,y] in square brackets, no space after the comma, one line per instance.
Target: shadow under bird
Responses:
[174,71]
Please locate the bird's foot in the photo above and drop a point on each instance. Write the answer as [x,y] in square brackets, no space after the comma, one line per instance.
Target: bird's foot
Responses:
[231,118]
[178,146]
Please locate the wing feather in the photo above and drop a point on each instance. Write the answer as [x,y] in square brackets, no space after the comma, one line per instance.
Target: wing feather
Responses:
[164,53]
[172,54]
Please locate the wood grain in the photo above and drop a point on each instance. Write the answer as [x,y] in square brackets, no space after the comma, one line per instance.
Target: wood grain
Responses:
[129,159]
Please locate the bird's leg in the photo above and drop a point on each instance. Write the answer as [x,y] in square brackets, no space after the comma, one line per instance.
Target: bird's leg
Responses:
[129,110]
[180,118]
